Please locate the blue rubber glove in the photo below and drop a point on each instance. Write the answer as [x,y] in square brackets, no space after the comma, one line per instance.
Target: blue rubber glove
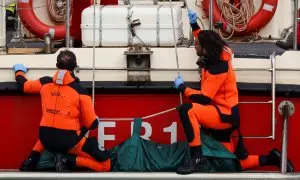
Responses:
[192,16]
[19,67]
[178,81]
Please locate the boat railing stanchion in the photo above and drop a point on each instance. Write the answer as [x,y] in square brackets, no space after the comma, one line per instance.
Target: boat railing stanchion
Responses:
[273,91]
[48,43]
[286,109]
[94,51]
[295,23]
[68,4]
[3,26]
[210,16]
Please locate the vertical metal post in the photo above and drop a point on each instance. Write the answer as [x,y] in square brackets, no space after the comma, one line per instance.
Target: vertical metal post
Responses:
[3,24]
[295,23]
[94,52]
[18,20]
[284,138]
[68,23]
[273,75]
[286,109]
[18,34]
[48,43]
[210,12]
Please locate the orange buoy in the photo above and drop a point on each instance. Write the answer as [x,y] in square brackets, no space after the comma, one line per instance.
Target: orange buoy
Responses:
[39,29]
[34,25]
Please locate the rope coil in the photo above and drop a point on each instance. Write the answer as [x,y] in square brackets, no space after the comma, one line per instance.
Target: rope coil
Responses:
[57,10]
[237,16]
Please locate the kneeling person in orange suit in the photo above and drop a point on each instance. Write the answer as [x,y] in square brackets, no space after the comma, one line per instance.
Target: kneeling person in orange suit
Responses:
[64,104]
[214,108]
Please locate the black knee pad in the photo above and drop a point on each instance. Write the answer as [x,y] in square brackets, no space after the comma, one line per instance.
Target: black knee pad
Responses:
[185,121]
[221,135]
[184,108]
[91,147]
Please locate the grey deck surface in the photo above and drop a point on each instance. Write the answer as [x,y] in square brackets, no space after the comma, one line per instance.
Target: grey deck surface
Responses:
[255,50]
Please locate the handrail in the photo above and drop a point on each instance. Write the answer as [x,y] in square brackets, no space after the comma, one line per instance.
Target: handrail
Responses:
[273,81]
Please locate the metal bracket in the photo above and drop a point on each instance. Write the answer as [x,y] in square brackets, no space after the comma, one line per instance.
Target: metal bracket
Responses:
[126,2]
[291,108]
[48,43]
[3,50]
[138,63]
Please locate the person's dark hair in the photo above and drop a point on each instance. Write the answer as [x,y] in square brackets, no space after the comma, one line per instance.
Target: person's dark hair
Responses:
[66,60]
[213,44]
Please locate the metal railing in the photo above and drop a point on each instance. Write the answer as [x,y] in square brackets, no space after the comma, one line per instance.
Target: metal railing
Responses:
[286,109]
[68,10]
[210,15]
[295,23]
[273,95]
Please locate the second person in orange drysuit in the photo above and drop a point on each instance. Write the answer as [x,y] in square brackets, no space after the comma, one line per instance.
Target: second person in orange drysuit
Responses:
[67,114]
[214,108]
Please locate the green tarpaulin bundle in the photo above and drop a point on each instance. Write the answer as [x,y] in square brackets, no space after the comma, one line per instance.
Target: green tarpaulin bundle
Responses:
[139,155]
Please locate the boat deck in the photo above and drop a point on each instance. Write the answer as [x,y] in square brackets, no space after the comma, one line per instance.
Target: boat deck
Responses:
[240,49]
[134,175]
[255,50]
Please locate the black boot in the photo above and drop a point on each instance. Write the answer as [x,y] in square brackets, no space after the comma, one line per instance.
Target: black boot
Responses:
[65,163]
[275,158]
[195,164]
[30,163]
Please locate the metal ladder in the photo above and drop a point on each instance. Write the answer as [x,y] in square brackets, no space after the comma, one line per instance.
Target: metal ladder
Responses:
[272,69]
[286,109]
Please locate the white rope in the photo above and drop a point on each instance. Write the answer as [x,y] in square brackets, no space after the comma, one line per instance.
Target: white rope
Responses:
[57,12]
[236,18]
[175,46]
[131,119]
[160,113]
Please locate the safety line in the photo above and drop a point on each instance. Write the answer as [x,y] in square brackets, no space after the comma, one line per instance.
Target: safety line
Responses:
[144,118]
[175,46]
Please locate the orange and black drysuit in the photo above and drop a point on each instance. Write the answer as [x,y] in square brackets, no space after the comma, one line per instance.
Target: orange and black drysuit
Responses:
[214,108]
[67,114]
